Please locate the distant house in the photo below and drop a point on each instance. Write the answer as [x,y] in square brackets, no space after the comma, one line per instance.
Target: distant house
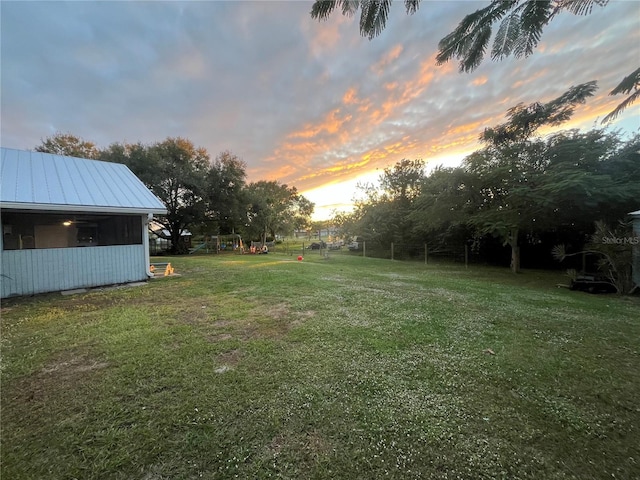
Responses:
[160,238]
[71,223]
[635,217]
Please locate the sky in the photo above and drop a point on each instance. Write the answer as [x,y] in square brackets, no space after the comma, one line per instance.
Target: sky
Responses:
[309,103]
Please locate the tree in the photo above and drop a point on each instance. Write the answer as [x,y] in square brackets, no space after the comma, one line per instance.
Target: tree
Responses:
[591,175]
[507,179]
[274,208]
[523,191]
[225,192]
[521,23]
[507,170]
[525,120]
[381,214]
[179,181]
[402,182]
[440,214]
[68,145]
[175,171]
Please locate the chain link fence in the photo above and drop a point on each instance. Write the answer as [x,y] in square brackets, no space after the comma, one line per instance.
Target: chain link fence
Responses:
[393,251]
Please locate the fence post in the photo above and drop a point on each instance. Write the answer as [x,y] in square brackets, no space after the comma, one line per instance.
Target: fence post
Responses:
[466,256]
[391,250]
[426,254]
[364,248]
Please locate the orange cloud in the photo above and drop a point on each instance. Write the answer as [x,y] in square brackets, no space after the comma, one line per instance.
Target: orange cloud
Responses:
[474,127]
[348,141]
[350,96]
[480,81]
[393,54]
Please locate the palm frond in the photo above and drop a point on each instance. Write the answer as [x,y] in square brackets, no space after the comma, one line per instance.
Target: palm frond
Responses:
[506,36]
[349,7]
[559,252]
[535,15]
[469,40]
[373,17]
[524,120]
[577,94]
[476,53]
[321,9]
[412,6]
[577,7]
[620,108]
[628,83]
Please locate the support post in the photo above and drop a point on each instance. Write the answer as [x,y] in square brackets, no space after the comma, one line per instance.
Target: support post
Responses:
[466,256]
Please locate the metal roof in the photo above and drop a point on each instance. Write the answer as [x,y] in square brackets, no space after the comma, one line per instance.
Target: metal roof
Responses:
[42,181]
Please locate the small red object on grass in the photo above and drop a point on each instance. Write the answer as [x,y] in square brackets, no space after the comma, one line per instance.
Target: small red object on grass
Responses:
[299,258]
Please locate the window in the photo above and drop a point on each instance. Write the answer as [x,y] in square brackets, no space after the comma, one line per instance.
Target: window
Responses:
[63,230]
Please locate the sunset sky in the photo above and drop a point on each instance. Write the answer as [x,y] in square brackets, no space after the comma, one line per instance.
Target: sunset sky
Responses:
[310,104]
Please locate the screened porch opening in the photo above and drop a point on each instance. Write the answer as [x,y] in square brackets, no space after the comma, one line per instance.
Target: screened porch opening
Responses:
[26,230]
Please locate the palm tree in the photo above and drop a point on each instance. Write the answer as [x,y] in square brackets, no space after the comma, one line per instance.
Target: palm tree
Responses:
[521,23]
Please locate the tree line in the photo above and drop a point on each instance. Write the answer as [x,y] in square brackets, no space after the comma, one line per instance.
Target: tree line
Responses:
[201,194]
[519,191]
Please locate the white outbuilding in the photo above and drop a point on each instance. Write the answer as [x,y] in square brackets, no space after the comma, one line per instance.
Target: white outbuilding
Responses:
[70,223]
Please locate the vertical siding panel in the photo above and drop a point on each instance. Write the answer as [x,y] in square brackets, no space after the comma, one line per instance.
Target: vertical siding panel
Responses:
[25,273]
[55,269]
[67,265]
[36,278]
[38,275]
[51,278]
[8,281]
[26,282]
[50,263]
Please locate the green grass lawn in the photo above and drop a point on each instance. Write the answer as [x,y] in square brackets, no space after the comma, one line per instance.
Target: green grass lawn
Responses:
[261,366]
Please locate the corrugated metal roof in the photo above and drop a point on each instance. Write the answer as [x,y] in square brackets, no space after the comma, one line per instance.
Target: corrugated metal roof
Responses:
[42,181]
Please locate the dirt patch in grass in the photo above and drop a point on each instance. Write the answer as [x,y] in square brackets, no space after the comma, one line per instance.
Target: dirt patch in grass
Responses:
[278,311]
[196,314]
[221,337]
[302,317]
[73,366]
[231,358]
[311,444]
[62,374]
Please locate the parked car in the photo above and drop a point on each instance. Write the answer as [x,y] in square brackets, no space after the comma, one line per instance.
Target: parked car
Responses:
[317,245]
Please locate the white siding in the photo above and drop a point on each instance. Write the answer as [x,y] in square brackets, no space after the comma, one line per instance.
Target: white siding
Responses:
[25,272]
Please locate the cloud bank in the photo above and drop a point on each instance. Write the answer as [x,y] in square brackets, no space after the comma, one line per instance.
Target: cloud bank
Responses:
[311,104]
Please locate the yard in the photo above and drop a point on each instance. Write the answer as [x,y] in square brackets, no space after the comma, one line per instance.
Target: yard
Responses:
[260,366]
